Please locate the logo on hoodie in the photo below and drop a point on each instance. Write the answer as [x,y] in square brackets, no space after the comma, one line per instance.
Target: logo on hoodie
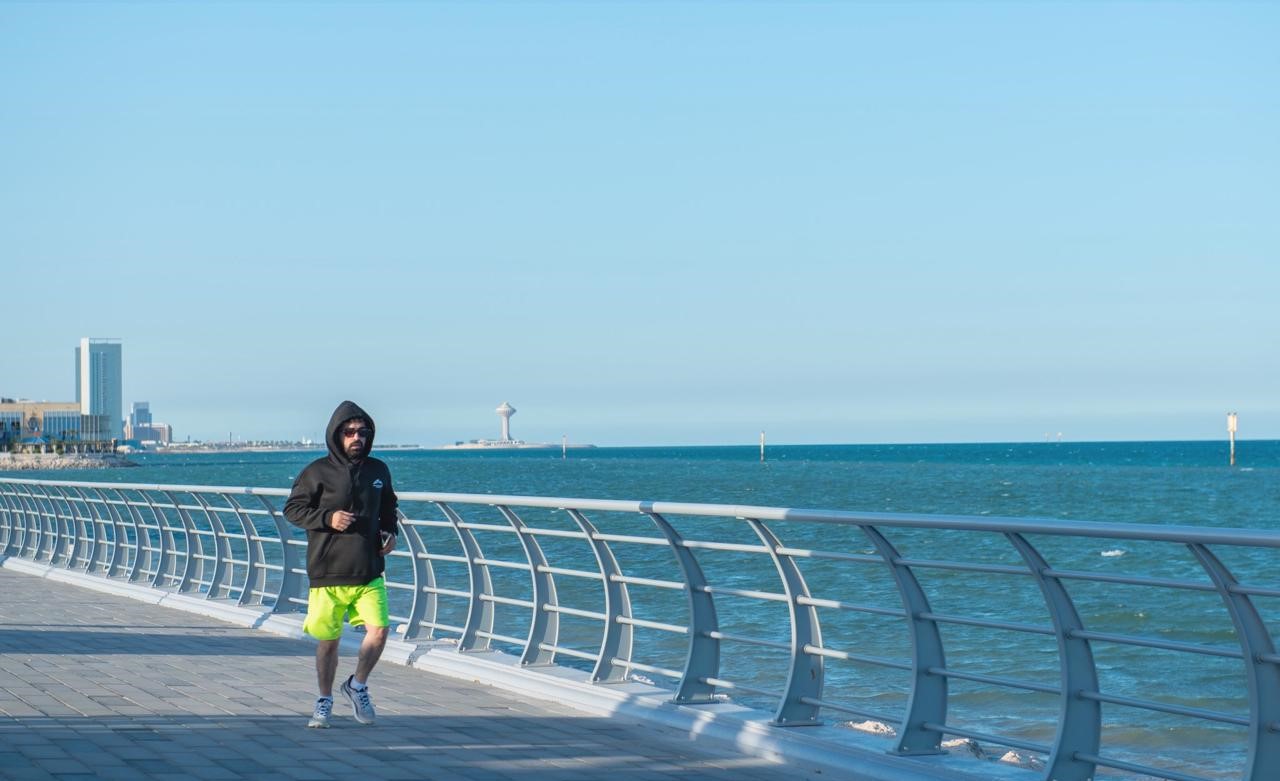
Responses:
[378,483]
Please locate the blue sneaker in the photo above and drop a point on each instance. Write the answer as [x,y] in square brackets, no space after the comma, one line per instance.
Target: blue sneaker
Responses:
[320,716]
[361,705]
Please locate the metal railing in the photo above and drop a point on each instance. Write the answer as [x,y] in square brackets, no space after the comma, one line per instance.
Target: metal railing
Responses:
[925,624]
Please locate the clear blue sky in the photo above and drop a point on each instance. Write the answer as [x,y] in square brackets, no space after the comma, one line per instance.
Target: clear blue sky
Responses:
[651,223]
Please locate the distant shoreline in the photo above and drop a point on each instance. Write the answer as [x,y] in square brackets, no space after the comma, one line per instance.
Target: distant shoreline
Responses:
[22,462]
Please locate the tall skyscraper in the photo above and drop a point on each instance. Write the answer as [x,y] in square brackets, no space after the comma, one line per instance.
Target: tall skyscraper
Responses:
[99,386]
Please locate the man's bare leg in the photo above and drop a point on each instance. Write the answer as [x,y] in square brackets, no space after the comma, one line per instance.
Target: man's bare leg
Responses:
[375,639]
[326,665]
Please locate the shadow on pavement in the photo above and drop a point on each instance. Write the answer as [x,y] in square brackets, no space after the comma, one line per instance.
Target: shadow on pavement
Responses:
[474,748]
[173,640]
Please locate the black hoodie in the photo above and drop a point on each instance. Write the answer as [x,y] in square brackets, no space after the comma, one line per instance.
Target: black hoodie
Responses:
[335,482]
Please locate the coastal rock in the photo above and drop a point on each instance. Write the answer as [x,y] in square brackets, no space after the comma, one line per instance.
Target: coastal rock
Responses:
[874,727]
[17,462]
[965,746]
[1022,760]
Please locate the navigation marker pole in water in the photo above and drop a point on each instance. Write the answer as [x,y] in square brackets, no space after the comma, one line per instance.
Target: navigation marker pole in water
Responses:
[1231,433]
[564,446]
[762,446]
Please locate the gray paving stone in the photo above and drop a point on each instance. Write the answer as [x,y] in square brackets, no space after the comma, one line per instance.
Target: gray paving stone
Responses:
[163,694]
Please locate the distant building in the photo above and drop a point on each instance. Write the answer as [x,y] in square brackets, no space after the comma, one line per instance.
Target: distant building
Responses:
[142,428]
[99,385]
[51,421]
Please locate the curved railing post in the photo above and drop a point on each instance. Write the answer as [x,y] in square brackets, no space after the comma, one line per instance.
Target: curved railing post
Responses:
[255,579]
[167,568]
[293,575]
[142,550]
[544,623]
[62,549]
[615,644]
[9,527]
[1080,720]
[702,663]
[94,554]
[219,549]
[805,676]
[31,533]
[93,532]
[927,705]
[475,633]
[119,537]
[425,604]
[1262,669]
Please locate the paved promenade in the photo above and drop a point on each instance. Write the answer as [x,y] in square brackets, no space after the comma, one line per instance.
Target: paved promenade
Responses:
[94,685]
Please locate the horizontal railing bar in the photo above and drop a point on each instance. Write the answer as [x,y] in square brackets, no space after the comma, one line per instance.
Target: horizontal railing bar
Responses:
[445,627]
[738,592]
[575,653]
[573,611]
[444,557]
[878,661]
[861,558]
[634,581]
[1097,577]
[572,573]
[672,628]
[506,601]
[534,531]
[1164,707]
[720,683]
[866,714]
[982,622]
[503,638]
[428,522]
[960,566]
[999,740]
[1165,645]
[838,605]
[736,547]
[448,592]
[747,640]
[1255,591]
[996,681]
[486,527]
[648,668]
[630,538]
[1119,764]
[501,564]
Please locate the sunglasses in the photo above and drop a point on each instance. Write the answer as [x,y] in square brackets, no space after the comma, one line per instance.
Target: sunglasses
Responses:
[357,432]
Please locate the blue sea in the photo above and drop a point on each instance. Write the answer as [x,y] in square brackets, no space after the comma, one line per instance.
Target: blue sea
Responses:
[1182,483]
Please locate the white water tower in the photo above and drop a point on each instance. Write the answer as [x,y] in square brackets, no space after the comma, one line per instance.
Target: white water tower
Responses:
[505,412]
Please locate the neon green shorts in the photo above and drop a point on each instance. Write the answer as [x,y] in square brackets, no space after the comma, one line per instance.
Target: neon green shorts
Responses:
[328,606]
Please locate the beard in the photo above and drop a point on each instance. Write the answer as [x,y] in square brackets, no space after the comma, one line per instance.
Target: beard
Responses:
[356,450]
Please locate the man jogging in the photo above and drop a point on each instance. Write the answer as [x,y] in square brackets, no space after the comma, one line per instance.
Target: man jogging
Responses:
[346,504]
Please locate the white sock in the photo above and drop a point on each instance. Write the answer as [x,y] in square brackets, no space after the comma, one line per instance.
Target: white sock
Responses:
[357,685]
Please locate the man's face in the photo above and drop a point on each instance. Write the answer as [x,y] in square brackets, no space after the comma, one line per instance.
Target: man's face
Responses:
[355,435]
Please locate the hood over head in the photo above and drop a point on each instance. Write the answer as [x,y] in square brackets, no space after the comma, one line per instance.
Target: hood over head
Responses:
[333,437]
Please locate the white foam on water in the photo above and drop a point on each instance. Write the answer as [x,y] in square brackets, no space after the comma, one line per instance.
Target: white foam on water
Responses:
[1113,553]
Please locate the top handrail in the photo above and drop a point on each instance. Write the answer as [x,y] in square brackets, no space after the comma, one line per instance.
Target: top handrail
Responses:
[1150,532]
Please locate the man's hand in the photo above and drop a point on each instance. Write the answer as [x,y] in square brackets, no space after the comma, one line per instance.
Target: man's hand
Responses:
[388,543]
[341,520]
